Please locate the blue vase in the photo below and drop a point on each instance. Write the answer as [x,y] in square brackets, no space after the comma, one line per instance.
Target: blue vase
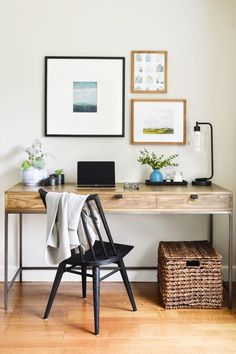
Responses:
[156,176]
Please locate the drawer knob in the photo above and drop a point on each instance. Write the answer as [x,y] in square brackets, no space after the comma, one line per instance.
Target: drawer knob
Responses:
[118,196]
[194,196]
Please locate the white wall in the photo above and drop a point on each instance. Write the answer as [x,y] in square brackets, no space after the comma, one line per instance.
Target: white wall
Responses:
[199,36]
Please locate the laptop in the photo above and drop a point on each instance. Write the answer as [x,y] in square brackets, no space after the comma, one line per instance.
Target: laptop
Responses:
[96,174]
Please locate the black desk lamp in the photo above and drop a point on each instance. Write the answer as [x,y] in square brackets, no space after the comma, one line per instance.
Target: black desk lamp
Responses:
[204,181]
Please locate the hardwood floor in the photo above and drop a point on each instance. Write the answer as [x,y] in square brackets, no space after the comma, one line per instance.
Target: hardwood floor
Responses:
[151,329]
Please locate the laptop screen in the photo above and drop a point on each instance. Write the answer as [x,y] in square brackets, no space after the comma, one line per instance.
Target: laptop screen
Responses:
[96,174]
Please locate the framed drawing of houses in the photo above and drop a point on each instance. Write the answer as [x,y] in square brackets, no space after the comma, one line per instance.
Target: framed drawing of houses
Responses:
[148,71]
[158,121]
[84,96]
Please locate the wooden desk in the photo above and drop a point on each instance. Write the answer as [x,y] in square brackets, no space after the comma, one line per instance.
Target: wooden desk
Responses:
[147,200]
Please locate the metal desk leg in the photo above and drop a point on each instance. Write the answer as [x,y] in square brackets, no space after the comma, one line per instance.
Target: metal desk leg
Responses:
[8,284]
[230,259]
[6,263]
[20,245]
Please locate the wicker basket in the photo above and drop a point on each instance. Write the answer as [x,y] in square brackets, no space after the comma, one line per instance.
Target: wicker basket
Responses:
[190,275]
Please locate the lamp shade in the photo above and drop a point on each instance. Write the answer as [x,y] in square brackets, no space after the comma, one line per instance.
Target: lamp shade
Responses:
[199,141]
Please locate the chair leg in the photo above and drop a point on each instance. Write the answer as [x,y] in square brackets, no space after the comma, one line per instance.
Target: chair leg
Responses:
[56,283]
[127,283]
[96,298]
[84,281]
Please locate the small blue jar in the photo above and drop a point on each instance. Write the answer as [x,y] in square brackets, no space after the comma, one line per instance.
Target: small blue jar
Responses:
[156,176]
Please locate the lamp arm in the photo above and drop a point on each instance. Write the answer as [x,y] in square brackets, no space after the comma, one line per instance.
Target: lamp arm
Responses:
[212,153]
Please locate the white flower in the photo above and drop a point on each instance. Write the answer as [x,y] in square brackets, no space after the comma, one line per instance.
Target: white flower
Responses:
[35,155]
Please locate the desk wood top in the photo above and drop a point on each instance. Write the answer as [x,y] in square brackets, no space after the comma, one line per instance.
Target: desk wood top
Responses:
[143,188]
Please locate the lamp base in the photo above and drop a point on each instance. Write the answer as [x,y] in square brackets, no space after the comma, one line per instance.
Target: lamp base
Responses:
[201,182]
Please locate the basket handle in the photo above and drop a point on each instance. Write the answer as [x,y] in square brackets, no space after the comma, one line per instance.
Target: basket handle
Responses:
[193,263]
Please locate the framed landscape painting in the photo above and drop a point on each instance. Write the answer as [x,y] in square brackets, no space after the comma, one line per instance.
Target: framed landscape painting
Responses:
[84,96]
[158,121]
[148,71]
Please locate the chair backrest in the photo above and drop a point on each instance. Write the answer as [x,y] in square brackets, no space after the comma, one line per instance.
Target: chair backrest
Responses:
[106,244]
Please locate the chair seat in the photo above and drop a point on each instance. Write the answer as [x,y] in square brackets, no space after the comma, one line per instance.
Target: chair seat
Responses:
[121,251]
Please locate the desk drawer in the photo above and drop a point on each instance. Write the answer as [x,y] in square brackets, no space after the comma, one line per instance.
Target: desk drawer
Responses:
[126,201]
[194,201]
[24,202]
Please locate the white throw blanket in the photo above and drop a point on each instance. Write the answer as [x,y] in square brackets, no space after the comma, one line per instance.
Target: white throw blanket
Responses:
[65,230]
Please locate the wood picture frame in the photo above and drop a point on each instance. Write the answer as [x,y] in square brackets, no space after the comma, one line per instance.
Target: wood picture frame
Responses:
[84,96]
[149,71]
[158,121]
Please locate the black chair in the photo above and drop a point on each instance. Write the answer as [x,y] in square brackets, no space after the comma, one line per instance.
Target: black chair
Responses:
[100,254]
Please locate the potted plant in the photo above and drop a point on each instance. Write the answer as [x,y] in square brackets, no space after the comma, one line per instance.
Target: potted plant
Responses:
[58,173]
[33,167]
[156,163]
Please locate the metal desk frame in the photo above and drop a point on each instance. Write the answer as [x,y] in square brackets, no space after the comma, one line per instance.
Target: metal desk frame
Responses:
[9,283]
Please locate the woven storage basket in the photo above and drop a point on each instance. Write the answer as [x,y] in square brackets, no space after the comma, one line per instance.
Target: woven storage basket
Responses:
[190,275]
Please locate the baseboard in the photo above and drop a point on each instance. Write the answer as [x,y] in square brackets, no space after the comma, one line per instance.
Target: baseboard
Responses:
[140,275]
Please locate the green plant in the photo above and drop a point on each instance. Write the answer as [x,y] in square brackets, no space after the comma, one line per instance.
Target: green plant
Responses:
[35,156]
[156,162]
[58,172]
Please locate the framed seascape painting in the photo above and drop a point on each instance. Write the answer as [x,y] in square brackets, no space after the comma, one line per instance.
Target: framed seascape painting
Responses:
[148,71]
[84,96]
[158,121]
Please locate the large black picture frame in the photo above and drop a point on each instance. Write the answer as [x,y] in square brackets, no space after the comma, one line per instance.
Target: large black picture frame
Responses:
[84,96]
